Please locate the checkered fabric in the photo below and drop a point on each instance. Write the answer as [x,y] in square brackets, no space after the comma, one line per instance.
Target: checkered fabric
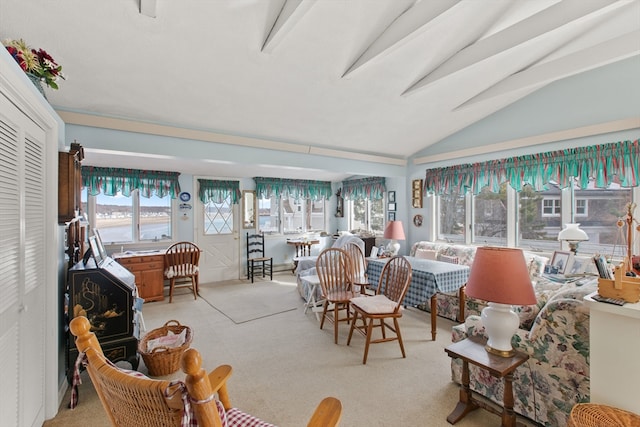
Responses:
[237,418]
[76,380]
[428,277]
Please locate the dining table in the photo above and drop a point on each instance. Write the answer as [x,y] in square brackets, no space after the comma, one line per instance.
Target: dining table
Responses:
[429,277]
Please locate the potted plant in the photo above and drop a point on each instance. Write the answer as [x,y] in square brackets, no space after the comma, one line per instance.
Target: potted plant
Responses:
[38,64]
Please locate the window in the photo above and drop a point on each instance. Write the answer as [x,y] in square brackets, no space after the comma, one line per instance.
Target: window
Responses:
[551,207]
[537,230]
[606,206]
[298,216]
[366,214]
[452,209]
[490,217]
[581,207]
[218,217]
[132,219]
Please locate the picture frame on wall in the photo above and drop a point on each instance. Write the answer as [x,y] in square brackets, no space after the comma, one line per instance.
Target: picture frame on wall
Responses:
[391,207]
[392,196]
[391,216]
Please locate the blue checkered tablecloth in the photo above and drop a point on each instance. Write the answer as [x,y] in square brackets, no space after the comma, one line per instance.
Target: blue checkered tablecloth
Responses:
[428,277]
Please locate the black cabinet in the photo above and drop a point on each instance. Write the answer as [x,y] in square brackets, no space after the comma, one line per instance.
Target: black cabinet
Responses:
[106,295]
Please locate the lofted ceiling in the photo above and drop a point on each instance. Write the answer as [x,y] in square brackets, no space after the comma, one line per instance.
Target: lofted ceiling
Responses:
[385,78]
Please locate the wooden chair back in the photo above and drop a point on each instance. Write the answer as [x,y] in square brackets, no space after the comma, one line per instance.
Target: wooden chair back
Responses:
[183,257]
[334,270]
[395,279]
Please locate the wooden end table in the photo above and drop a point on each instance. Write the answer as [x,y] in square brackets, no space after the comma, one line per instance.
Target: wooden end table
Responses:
[471,350]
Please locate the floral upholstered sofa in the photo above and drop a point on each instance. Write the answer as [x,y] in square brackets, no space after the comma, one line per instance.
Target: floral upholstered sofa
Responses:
[556,376]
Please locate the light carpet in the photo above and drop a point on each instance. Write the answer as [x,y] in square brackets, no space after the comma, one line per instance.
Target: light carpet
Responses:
[243,302]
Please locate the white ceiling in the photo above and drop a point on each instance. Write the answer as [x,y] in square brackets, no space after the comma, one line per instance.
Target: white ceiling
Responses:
[382,77]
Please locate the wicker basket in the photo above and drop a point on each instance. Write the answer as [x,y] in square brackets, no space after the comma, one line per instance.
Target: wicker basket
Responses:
[595,415]
[164,360]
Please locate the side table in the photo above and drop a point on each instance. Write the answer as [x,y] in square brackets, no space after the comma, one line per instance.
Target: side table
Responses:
[316,306]
[472,351]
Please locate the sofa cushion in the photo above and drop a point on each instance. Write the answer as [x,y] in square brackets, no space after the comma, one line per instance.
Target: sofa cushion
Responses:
[448,258]
[425,253]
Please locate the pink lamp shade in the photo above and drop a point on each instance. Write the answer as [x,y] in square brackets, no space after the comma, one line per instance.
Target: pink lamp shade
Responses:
[500,275]
[394,231]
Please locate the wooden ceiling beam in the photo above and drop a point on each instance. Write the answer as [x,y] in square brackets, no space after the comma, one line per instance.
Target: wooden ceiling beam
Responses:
[148,7]
[288,17]
[410,23]
[536,25]
[605,53]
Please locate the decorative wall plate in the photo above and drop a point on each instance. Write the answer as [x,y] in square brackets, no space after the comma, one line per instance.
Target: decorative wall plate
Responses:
[185,197]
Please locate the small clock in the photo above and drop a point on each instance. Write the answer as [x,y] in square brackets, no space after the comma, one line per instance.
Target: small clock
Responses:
[185,197]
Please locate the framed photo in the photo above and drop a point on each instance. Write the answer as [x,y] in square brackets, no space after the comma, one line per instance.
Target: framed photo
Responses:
[392,196]
[392,207]
[392,216]
[417,220]
[561,261]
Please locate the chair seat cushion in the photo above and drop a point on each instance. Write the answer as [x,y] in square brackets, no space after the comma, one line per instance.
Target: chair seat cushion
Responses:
[237,418]
[180,269]
[376,304]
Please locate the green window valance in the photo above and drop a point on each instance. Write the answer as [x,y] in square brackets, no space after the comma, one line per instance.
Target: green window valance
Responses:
[110,181]
[217,191]
[364,188]
[294,188]
[605,163]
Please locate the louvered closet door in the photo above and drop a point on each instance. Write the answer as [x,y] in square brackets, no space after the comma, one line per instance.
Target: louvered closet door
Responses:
[22,267]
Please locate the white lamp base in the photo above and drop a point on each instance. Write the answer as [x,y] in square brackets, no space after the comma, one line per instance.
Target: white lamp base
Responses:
[393,248]
[501,323]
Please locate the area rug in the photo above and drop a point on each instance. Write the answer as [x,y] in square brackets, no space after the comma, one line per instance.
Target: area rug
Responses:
[242,302]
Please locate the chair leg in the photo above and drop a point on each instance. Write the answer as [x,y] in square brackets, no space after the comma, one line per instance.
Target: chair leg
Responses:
[368,341]
[399,335]
[324,313]
[336,310]
[353,326]
[194,284]
[172,281]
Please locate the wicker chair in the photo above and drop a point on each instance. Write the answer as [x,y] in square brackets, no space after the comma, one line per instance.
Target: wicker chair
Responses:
[595,415]
[132,399]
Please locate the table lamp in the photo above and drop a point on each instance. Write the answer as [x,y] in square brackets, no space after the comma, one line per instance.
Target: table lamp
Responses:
[573,235]
[395,232]
[501,277]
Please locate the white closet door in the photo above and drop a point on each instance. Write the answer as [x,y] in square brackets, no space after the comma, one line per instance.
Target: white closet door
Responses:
[22,267]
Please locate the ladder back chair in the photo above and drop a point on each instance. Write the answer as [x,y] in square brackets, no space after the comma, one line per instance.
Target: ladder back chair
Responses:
[334,270]
[132,399]
[257,262]
[181,267]
[374,311]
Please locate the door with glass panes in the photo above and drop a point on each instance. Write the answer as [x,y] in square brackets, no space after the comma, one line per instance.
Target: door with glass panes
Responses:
[216,233]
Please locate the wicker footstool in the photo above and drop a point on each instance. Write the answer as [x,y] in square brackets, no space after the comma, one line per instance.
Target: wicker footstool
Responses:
[594,415]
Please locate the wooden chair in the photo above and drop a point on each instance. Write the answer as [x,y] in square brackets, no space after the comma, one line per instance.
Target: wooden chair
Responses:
[385,304]
[181,267]
[358,267]
[131,399]
[334,271]
[257,262]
